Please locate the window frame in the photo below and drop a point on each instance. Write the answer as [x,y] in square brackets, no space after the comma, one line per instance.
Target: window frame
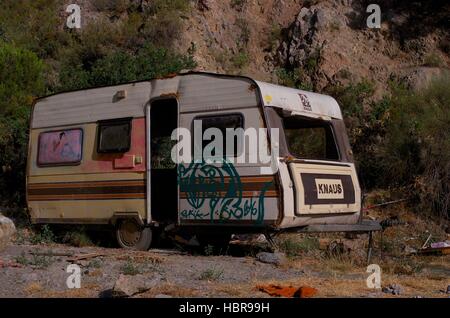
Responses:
[111,122]
[201,117]
[328,125]
[57,164]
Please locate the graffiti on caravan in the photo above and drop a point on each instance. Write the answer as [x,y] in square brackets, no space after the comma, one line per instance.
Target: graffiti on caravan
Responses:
[215,192]
[251,146]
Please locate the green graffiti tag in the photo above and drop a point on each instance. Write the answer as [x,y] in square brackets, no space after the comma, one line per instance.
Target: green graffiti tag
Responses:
[218,189]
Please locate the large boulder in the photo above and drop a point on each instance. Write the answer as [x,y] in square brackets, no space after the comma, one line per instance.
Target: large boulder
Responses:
[7,231]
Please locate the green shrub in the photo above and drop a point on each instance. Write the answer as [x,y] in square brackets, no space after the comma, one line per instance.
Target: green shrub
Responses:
[418,145]
[77,237]
[211,274]
[433,60]
[33,25]
[296,246]
[130,269]
[240,60]
[119,67]
[21,79]
[402,141]
[294,78]
[43,235]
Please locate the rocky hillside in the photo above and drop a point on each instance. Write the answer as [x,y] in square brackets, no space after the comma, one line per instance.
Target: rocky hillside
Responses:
[321,42]
[315,42]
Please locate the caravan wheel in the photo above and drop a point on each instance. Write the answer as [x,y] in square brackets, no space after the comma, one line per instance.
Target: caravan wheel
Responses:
[131,235]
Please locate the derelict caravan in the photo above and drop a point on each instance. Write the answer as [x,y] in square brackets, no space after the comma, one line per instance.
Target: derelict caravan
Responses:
[144,155]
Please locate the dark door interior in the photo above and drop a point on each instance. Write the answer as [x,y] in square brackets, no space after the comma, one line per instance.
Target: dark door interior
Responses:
[164,189]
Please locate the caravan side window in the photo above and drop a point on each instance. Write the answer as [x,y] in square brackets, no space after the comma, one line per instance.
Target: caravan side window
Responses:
[60,147]
[222,122]
[114,136]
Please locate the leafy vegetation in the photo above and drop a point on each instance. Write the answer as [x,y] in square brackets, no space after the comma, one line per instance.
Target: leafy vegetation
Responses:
[402,141]
[294,246]
[39,56]
[43,235]
[211,274]
[130,269]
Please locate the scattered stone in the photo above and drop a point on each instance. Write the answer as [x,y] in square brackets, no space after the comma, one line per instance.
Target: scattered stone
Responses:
[271,258]
[448,289]
[127,286]
[7,231]
[393,289]
[409,250]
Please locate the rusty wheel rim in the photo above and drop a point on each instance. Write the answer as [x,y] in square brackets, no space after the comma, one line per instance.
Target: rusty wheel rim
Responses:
[129,232]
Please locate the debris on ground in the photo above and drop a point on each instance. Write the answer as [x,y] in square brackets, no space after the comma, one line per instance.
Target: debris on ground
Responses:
[167,251]
[80,257]
[248,238]
[410,250]
[436,248]
[4,264]
[445,250]
[128,286]
[276,258]
[393,289]
[391,221]
[440,244]
[288,291]
[52,253]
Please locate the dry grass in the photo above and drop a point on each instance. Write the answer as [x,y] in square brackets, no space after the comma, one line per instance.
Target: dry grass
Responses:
[33,288]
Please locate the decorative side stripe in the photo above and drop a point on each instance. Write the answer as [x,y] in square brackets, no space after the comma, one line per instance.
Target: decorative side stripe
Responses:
[135,189]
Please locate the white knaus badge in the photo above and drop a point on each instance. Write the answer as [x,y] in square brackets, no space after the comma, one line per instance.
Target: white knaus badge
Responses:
[329,189]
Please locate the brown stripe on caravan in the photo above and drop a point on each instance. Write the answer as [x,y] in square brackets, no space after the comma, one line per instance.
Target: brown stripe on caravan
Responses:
[85,184]
[135,189]
[86,197]
[245,194]
[97,190]
[251,186]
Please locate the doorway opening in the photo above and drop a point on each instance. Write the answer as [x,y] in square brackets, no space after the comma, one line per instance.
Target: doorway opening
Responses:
[163,175]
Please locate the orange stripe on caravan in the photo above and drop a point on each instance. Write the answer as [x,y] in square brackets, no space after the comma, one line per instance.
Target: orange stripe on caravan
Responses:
[245,194]
[86,196]
[85,184]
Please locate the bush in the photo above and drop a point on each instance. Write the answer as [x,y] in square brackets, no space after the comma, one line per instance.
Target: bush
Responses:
[402,141]
[21,79]
[33,25]
[418,145]
[119,67]
[433,60]
[240,60]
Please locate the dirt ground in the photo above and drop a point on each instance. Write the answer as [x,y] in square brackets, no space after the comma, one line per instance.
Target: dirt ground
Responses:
[39,270]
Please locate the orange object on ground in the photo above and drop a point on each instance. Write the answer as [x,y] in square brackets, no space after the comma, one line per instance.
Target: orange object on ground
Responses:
[288,291]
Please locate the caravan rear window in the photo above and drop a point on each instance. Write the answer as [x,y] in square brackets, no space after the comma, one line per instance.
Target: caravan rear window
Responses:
[310,139]
[60,147]
[114,136]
